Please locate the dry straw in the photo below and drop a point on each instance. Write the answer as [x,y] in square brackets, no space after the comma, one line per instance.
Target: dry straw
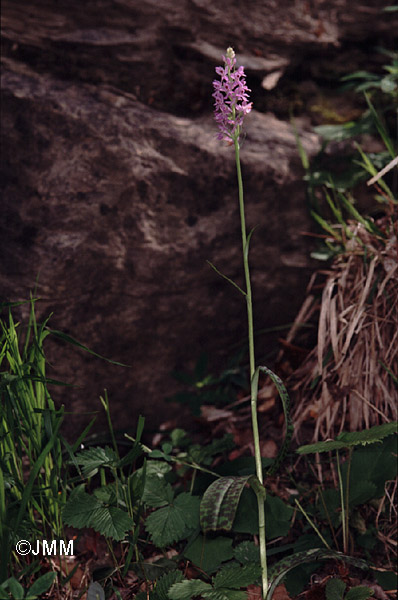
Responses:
[349,380]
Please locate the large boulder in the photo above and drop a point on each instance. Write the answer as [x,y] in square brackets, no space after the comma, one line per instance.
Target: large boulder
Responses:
[116,192]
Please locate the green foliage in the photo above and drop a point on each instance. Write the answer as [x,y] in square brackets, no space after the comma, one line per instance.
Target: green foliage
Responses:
[205,388]
[247,553]
[94,458]
[350,439]
[87,510]
[29,426]
[220,502]
[162,586]
[279,571]
[341,173]
[225,585]
[335,590]
[174,522]
[11,588]
[209,553]
[364,81]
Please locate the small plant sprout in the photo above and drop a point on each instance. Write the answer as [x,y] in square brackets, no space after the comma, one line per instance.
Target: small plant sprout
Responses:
[221,499]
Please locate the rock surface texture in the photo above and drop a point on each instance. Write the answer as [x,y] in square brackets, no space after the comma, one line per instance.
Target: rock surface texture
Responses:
[115,190]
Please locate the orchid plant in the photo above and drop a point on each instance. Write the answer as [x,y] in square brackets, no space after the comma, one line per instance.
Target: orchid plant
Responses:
[221,499]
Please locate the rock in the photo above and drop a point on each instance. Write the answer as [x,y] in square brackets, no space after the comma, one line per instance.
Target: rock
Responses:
[115,191]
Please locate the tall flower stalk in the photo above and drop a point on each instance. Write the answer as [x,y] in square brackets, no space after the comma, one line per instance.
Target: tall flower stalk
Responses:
[221,499]
[231,106]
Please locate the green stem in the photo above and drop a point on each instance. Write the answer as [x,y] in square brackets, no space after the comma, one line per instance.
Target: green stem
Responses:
[245,261]
[347,495]
[252,362]
[342,503]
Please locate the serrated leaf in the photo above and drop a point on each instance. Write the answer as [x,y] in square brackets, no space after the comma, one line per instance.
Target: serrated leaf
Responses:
[237,577]
[369,436]
[360,592]
[220,502]
[164,584]
[157,467]
[93,458]
[225,594]
[335,589]
[349,439]
[111,522]
[174,522]
[79,508]
[83,510]
[187,589]
[157,493]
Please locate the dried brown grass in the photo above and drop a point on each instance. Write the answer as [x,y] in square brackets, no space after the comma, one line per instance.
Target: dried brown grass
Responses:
[347,380]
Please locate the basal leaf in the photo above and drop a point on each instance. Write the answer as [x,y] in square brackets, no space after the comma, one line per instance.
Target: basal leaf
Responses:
[220,502]
[209,554]
[42,584]
[83,510]
[187,589]
[174,522]
[237,577]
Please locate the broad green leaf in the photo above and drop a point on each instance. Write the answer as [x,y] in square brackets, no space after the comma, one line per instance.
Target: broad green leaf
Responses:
[349,439]
[246,519]
[375,463]
[209,554]
[83,510]
[237,577]
[157,492]
[112,522]
[93,458]
[247,553]
[15,588]
[3,594]
[187,589]
[360,592]
[164,584]
[156,467]
[335,589]
[369,436]
[220,502]
[41,585]
[79,508]
[225,594]
[174,522]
